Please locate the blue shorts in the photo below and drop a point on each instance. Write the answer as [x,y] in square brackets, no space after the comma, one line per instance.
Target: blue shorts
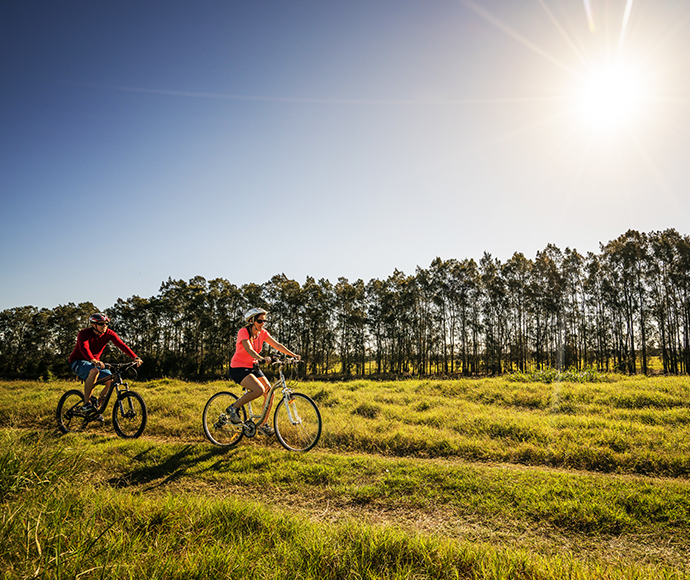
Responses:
[238,374]
[82,368]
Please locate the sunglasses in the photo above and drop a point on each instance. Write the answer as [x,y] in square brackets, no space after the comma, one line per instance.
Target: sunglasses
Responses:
[101,323]
[261,321]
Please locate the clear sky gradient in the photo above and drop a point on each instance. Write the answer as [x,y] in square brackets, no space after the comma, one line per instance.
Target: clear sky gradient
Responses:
[142,140]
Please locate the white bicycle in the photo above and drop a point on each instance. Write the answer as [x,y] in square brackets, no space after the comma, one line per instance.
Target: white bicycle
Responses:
[296,420]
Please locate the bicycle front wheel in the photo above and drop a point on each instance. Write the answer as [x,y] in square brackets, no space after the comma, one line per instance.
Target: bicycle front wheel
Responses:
[69,416]
[297,425]
[129,415]
[218,428]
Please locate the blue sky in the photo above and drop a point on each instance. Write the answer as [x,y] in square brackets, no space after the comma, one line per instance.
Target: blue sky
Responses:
[146,140]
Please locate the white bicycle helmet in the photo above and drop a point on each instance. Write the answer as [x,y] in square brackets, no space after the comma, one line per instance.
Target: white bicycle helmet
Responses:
[252,312]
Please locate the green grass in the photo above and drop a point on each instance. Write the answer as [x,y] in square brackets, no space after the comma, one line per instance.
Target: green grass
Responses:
[634,425]
[487,478]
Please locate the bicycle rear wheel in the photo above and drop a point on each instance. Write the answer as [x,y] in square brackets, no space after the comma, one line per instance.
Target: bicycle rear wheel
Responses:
[69,416]
[217,426]
[299,427]
[129,415]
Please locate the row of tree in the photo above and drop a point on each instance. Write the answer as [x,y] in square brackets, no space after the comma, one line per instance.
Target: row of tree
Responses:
[615,310]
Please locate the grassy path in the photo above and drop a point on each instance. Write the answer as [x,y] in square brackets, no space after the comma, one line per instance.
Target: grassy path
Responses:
[503,507]
[597,516]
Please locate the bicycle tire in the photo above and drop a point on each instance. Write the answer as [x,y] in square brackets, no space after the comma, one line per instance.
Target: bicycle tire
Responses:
[217,426]
[68,413]
[303,434]
[129,415]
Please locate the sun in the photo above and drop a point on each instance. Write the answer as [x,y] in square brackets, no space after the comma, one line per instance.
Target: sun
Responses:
[614,83]
[610,95]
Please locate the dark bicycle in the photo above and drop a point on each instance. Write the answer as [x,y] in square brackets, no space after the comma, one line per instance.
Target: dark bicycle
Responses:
[129,410]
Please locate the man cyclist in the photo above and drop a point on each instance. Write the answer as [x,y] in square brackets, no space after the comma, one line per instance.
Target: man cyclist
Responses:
[85,360]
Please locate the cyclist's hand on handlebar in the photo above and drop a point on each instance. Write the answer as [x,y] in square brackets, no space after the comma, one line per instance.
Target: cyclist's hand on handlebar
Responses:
[267,360]
[138,362]
[98,364]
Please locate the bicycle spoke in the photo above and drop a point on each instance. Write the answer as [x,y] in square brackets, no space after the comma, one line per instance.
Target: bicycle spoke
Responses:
[69,415]
[217,425]
[129,415]
[298,425]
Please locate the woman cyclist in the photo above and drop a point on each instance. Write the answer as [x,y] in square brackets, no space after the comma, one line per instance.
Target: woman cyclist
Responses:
[244,366]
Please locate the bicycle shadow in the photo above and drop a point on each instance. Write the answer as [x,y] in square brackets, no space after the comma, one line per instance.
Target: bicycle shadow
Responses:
[184,462]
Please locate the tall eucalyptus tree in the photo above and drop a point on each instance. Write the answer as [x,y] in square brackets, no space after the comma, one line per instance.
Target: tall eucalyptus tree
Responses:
[350,325]
[494,309]
[625,259]
[318,339]
[574,309]
[516,272]
[465,292]
[547,295]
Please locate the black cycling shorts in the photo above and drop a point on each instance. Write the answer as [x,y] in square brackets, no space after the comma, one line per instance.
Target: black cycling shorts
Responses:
[240,373]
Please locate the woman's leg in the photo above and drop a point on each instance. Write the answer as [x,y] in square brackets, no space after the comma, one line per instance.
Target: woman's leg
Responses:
[255,388]
[267,389]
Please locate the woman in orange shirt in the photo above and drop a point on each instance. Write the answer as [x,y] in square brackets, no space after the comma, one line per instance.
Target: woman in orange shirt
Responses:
[244,366]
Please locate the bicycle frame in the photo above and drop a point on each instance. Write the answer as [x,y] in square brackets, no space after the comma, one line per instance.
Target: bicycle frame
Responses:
[117,382]
[268,400]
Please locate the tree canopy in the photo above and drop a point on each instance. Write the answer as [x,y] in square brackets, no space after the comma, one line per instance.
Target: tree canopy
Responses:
[618,309]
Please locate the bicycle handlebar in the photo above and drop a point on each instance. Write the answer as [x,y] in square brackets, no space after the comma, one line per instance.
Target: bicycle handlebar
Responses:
[121,366]
[282,360]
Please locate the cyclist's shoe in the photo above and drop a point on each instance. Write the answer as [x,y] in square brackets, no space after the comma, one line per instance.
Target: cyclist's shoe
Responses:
[88,408]
[234,415]
[267,430]
[99,418]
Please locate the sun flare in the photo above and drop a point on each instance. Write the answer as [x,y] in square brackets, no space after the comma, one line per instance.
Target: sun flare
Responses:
[610,95]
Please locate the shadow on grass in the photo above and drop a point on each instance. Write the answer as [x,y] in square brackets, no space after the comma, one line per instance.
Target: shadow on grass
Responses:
[174,467]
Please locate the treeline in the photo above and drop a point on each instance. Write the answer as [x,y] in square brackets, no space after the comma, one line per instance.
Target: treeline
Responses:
[615,310]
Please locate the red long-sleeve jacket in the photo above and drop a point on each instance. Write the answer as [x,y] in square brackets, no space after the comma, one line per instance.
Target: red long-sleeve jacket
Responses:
[90,346]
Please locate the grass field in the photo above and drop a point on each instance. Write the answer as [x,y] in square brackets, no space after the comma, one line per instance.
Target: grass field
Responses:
[482,478]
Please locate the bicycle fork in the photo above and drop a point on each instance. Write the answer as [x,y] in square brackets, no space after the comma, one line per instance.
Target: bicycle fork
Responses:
[291,406]
[128,413]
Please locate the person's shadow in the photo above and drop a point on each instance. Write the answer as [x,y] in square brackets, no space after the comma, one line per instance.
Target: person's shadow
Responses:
[171,469]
